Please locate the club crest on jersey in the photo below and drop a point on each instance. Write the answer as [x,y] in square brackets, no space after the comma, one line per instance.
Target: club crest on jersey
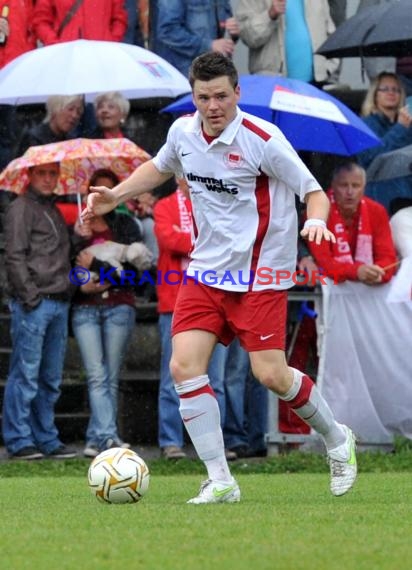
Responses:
[233,158]
[213,184]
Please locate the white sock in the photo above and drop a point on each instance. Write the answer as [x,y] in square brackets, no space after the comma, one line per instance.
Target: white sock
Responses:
[200,414]
[308,403]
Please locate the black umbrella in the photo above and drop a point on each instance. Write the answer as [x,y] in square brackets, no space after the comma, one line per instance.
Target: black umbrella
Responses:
[389,165]
[384,30]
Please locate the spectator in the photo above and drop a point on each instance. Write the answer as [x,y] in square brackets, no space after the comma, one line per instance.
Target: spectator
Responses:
[184,32]
[385,112]
[18,39]
[245,425]
[38,265]
[17,29]
[173,227]
[283,37]
[103,318]
[111,110]
[133,33]
[57,21]
[63,116]
[364,249]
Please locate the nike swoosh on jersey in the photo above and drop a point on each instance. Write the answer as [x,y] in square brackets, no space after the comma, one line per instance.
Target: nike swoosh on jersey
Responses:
[193,417]
[266,337]
[186,153]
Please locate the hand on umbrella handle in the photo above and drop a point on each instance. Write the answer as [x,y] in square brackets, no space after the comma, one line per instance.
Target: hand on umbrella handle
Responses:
[100,201]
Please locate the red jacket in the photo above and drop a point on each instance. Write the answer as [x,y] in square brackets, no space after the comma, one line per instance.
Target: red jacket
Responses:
[173,247]
[20,38]
[383,248]
[93,20]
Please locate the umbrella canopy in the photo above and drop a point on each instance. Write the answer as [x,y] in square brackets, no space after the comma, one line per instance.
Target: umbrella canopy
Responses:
[89,67]
[384,30]
[309,118]
[78,159]
[389,165]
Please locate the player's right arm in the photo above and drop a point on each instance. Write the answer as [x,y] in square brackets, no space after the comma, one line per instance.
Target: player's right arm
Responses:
[102,200]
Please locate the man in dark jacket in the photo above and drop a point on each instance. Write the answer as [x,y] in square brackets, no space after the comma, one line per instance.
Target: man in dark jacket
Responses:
[38,266]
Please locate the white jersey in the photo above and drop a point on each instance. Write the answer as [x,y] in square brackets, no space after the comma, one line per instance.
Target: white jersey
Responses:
[242,187]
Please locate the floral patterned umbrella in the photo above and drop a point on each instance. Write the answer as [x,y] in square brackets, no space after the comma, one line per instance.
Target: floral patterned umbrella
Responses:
[78,159]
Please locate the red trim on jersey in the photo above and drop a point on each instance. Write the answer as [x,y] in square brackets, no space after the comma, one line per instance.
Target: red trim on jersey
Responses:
[302,397]
[207,389]
[255,129]
[263,209]
[195,230]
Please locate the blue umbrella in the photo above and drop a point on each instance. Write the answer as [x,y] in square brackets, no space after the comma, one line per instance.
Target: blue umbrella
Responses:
[310,119]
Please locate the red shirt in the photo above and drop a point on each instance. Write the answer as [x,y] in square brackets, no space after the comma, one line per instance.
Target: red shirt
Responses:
[93,20]
[174,248]
[382,243]
[20,38]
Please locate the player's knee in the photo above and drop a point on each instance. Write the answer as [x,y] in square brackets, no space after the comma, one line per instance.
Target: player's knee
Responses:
[180,370]
[276,380]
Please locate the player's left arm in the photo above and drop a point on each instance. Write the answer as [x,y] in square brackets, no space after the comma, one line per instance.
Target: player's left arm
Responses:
[317,209]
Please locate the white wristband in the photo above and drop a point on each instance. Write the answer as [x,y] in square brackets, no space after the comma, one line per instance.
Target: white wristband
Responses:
[314,222]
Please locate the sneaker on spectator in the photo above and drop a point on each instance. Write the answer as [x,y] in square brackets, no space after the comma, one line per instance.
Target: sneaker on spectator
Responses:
[91,451]
[217,492]
[29,453]
[62,452]
[240,451]
[343,467]
[230,455]
[173,452]
[112,443]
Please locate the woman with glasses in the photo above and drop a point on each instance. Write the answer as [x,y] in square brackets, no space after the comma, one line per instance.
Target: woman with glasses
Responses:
[386,113]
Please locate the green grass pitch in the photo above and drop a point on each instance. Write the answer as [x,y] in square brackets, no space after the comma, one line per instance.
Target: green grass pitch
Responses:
[284,521]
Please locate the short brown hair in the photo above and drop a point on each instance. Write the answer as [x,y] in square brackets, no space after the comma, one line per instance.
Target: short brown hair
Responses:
[104,173]
[210,65]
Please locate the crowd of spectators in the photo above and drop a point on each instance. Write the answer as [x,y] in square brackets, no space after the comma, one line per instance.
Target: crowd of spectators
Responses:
[179,33]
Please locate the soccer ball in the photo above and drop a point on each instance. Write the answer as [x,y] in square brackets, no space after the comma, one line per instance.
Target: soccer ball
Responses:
[118,475]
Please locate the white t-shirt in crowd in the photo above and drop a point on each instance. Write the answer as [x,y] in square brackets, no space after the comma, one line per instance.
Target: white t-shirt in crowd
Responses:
[242,187]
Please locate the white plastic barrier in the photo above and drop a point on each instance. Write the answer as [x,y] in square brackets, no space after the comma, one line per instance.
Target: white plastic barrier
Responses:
[365,363]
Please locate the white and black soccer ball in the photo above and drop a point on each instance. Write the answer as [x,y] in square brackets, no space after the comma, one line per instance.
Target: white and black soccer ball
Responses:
[119,476]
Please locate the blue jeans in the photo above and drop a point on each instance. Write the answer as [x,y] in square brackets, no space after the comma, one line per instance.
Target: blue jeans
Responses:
[102,333]
[39,339]
[246,402]
[170,423]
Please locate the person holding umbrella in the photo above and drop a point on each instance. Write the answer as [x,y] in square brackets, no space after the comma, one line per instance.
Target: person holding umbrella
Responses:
[37,257]
[385,112]
[243,176]
[63,115]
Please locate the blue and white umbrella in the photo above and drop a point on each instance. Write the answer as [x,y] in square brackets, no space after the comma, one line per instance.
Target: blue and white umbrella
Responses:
[310,118]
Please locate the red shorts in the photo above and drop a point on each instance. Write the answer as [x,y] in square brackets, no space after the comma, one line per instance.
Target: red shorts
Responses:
[257,318]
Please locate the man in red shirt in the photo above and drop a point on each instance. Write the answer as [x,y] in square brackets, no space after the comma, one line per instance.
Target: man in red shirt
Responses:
[92,20]
[364,250]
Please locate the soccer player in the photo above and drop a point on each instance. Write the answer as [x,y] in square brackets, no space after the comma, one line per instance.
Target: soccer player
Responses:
[243,176]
